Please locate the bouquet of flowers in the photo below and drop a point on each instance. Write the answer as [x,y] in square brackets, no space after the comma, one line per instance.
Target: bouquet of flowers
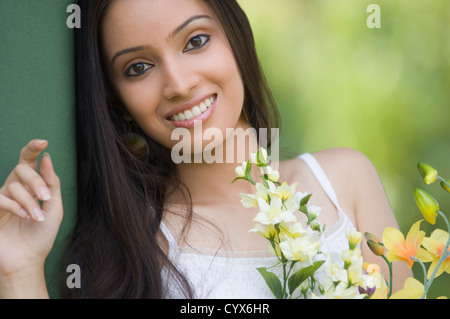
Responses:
[298,248]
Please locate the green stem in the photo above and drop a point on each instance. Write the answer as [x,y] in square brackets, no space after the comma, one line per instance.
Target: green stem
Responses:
[424,269]
[390,275]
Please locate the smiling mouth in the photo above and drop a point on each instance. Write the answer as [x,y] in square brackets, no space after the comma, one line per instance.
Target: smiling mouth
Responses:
[195,111]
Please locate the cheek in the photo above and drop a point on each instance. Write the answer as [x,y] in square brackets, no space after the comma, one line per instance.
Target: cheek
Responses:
[142,104]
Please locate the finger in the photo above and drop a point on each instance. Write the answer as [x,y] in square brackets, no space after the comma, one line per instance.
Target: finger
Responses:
[30,153]
[10,206]
[18,192]
[49,176]
[31,179]
[52,180]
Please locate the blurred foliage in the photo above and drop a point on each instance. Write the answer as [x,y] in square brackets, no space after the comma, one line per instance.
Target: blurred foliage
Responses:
[384,92]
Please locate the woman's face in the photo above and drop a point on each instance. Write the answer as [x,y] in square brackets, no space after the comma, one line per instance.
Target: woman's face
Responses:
[171,64]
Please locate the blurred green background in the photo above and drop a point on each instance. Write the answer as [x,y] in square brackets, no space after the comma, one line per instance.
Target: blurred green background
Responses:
[384,92]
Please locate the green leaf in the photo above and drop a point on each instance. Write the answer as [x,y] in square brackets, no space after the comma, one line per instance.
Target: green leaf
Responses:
[272,281]
[301,275]
[305,200]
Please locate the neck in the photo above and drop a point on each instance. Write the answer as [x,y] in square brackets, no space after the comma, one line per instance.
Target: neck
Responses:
[210,180]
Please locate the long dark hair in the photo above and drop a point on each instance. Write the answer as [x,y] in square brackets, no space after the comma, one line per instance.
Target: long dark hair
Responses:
[121,198]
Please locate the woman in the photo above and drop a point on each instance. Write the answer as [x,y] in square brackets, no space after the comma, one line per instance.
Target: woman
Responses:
[147,227]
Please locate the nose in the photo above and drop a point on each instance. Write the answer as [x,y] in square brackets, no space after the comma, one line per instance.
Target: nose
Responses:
[179,78]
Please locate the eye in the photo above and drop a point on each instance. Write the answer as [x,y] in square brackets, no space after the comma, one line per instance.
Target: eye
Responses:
[138,69]
[197,42]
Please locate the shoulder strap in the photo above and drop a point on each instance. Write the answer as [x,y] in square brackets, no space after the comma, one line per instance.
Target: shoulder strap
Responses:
[321,177]
[172,242]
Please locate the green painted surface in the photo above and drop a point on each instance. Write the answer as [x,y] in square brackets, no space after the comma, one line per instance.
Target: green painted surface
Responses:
[37,96]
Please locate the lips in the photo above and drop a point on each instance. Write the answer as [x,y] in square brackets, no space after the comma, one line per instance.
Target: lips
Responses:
[198,112]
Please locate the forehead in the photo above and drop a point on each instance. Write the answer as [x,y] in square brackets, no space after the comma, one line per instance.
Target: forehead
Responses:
[128,22]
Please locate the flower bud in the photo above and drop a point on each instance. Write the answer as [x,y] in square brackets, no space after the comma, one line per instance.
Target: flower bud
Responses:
[428,173]
[446,185]
[370,236]
[427,205]
[240,172]
[376,248]
[262,157]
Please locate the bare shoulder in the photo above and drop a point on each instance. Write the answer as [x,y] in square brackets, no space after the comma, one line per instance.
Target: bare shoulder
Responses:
[344,161]
[347,168]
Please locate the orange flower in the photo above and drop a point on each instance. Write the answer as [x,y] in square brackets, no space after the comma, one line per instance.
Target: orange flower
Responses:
[435,244]
[403,249]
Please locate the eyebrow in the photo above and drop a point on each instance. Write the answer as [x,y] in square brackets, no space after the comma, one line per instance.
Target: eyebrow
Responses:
[171,36]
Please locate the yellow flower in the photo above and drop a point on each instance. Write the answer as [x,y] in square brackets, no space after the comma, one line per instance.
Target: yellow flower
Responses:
[427,205]
[428,173]
[435,244]
[401,249]
[413,289]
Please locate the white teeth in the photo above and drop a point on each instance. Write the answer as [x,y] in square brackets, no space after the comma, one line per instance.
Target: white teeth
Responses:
[194,112]
[188,114]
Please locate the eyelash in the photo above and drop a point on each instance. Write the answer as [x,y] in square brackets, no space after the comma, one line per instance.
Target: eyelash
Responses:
[204,40]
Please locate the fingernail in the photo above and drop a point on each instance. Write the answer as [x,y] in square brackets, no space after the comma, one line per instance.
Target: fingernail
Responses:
[40,142]
[44,193]
[38,215]
[23,214]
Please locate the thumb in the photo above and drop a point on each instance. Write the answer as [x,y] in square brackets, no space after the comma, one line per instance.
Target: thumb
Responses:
[54,204]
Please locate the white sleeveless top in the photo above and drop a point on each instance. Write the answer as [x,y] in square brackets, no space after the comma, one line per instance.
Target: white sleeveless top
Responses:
[233,274]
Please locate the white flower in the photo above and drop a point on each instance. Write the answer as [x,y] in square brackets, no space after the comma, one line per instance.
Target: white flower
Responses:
[240,170]
[273,175]
[314,211]
[292,230]
[273,214]
[355,275]
[354,238]
[262,156]
[352,257]
[266,231]
[336,272]
[249,200]
[342,291]
[303,249]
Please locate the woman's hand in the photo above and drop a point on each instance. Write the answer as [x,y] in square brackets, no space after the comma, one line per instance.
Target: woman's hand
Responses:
[27,228]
